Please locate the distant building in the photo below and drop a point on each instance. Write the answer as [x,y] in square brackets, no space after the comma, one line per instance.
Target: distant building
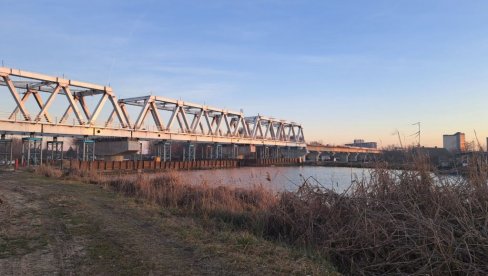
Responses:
[361,144]
[455,143]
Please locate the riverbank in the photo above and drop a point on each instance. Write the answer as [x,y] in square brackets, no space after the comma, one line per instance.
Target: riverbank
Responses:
[390,222]
[407,222]
[59,226]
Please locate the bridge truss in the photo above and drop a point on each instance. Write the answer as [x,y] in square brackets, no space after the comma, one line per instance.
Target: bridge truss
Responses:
[185,121]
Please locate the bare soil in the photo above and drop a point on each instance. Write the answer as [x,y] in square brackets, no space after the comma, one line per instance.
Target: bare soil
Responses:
[58,227]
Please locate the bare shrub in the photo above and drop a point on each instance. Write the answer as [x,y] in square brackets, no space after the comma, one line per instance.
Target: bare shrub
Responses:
[407,222]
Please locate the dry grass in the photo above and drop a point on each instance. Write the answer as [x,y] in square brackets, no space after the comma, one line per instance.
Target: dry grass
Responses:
[92,177]
[236,205]
[48,171]
[393,222]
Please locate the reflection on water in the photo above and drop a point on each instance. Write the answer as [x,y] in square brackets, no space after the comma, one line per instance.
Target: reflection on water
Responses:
[276,178]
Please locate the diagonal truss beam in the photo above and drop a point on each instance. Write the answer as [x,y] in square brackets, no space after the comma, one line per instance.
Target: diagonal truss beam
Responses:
[192,119]
[15,95]
[73,107]
[38,100]
[48,104]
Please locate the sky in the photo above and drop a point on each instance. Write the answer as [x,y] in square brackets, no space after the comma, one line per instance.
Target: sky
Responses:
[343,69]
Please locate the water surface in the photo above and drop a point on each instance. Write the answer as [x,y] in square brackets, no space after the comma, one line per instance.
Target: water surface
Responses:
[276,178]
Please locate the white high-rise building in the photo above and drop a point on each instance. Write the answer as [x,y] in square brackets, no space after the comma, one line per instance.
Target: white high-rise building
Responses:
[455,143]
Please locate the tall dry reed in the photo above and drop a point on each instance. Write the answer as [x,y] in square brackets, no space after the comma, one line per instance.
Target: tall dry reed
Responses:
[236,205]
[393,222]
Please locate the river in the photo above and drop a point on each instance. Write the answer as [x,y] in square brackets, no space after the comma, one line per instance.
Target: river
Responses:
[276,178]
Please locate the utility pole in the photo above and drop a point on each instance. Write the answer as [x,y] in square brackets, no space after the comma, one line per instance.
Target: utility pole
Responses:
[417,133]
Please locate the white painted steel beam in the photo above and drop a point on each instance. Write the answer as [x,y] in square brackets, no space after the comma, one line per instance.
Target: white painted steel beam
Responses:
[66,130]
[195,122]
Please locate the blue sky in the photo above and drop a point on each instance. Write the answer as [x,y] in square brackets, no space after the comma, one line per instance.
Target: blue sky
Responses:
[344,69]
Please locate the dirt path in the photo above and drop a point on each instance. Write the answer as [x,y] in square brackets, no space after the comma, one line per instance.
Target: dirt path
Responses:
[51,227]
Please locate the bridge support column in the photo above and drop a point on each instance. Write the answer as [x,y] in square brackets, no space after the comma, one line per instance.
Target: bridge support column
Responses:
[288,152]
[86,149]
[164,150]
[275,152]
[362,157]
[234,151]
[353,157]
[263,152]
[189,152]
[54,151]
[5,151]
[218,151]
[300,153]
[343,157]
[207,152]
[314,156]
[32,151]
[326,156]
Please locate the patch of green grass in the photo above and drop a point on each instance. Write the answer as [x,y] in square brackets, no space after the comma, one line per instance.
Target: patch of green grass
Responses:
[111,258]
[105,256]
[17,246]
[216,239]
[209,236]
[245,240]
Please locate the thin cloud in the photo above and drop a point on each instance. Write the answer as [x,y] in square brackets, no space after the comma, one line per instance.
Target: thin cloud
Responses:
[201,71]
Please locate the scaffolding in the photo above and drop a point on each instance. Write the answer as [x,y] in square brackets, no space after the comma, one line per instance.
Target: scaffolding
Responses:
[55,150]
[31,151]
[5,151]
[86,149]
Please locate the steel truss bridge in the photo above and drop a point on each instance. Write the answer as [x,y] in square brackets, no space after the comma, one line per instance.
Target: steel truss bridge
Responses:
[184,121]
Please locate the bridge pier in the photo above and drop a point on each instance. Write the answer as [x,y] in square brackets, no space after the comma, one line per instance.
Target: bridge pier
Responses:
[164,150]
[343,157]
[31,151]
[207,152]
[326,156]
[363,157]
[314,156]
[275,152]
[54,150]
[353,157]
[218,151]
[234,151]
[6,154]
[86,149]
[263,152]
[189,152]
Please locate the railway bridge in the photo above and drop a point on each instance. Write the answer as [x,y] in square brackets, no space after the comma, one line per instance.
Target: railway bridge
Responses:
[49,107]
